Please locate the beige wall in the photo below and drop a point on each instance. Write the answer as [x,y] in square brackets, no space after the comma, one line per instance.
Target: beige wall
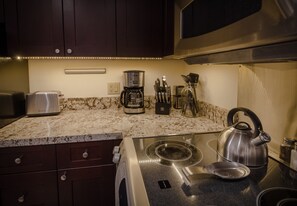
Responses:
[270,90]
[49,75]
[217,84]
[14,76]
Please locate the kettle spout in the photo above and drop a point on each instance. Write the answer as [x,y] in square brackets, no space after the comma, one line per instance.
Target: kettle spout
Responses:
[261,139]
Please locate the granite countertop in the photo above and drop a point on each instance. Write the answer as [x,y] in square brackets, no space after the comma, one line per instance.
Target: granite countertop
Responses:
[93,125]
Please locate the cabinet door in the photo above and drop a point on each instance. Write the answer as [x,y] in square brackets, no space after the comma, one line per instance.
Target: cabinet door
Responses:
[89,27]
[87,186]
[140,26]
[2,31]
[34,27]
[29,189]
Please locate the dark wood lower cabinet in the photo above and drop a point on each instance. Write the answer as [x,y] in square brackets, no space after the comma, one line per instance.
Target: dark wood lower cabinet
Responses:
[30,189]
[72,174]
[87,186]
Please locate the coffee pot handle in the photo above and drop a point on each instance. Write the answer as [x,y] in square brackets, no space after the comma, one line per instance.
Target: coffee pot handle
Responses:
[256,121]
[123,93]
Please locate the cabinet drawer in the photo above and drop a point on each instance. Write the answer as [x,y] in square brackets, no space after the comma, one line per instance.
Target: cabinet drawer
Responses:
[27,159]
[85,154]
[35,188]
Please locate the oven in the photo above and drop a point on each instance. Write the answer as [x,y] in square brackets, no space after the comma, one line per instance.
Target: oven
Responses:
[129,185]
[148,173]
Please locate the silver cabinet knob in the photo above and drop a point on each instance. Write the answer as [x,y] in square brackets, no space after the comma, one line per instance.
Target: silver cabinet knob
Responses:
[116,149]
[85,154]
[116,158]
[18,160]
[57,51]
[63,177]
[69,51]
[21,199]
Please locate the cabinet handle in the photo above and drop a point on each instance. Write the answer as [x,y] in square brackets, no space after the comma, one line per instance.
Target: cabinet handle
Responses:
[57,51]
[64,177]
[21,199]
[85,154]
[69,51]
[18,160]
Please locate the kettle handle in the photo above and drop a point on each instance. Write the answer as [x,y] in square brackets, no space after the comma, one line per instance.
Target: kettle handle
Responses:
[256,121]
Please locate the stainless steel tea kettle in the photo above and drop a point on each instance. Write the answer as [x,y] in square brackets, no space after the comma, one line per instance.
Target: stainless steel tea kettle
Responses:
[240,143]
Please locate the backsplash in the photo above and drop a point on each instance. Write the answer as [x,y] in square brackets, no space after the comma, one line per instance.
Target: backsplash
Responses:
[210,111]
[214,113]
[269,90]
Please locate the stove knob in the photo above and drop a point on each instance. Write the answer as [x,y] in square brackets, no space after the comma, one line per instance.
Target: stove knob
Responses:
[116,158]
[116,149]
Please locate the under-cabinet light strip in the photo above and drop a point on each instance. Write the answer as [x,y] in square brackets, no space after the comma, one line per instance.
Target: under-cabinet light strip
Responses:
[5,58]
[85,71]
[91,58]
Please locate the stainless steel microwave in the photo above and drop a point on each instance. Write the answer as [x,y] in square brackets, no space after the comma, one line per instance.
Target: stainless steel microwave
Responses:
[235,31]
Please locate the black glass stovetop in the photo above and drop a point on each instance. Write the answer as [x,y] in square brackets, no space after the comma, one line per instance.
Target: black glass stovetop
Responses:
[164,185]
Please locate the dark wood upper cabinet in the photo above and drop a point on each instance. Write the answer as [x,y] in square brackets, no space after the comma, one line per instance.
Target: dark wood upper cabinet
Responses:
[37,27]
[1,11]
[141,27]
[125,28]
[89,27]
[34,27]
[2,31]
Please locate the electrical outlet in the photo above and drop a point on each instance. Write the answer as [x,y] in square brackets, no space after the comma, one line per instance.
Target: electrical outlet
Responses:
[113,88]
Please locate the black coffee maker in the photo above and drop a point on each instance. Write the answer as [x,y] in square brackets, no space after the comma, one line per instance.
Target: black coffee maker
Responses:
[132,97]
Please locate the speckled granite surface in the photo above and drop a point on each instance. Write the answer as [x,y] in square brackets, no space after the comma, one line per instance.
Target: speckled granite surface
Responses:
[210,111]
[99,124]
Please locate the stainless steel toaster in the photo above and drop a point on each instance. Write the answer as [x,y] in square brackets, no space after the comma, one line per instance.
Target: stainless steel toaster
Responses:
[43,103]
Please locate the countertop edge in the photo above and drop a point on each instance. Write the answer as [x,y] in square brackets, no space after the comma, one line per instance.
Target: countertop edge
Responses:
[60,139]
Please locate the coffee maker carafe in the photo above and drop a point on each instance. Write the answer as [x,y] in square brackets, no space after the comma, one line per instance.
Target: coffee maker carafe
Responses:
[132,97]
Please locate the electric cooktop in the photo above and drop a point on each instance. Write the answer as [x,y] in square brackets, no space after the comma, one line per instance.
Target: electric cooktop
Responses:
[161,158]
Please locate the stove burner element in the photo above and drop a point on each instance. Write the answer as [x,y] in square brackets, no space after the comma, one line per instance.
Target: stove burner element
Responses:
[168,152]
[277,196]
[173,152]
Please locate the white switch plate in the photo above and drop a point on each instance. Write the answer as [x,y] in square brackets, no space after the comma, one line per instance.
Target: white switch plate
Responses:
[113,88]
